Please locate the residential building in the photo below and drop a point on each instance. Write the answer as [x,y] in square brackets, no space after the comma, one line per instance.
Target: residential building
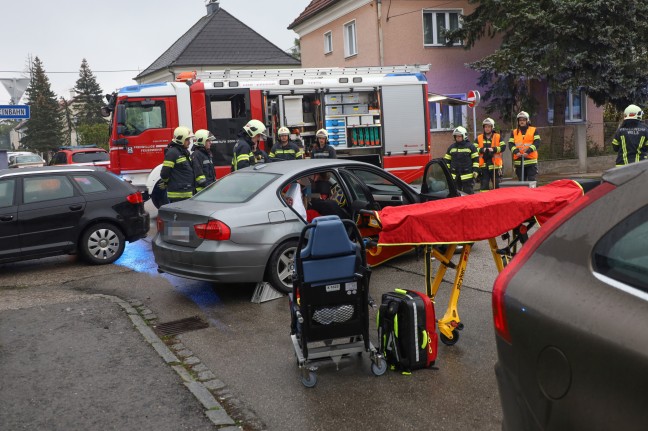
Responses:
[217,41]
[352,33]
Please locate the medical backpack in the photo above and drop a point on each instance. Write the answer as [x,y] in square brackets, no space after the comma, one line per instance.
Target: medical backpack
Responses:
[407,330]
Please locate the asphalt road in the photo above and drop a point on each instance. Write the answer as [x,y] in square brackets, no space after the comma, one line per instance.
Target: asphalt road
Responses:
[248,346]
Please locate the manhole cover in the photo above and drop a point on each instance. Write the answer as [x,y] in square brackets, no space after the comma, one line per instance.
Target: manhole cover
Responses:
[179,326]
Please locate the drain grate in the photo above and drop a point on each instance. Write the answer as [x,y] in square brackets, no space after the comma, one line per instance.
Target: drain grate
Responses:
[179,326]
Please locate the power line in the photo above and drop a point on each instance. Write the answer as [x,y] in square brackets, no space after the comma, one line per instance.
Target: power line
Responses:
[76,71]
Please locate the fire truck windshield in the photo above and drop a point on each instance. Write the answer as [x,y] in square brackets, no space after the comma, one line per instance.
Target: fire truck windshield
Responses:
[142,115]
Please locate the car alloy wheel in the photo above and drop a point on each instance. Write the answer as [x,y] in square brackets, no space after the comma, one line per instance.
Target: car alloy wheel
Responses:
[102,243]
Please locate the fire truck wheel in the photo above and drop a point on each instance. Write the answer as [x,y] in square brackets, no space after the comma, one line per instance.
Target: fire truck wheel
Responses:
[282,266]
[101,244]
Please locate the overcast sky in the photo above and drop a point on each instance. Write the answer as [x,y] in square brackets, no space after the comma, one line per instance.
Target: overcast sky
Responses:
[114,35]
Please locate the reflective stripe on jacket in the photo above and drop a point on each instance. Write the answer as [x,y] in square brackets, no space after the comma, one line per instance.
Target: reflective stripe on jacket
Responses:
[631,142]
[177,172]
[243,156]
[462,159]
[289,152]
[204,167]
[328,152]
[520,142]
[494,142]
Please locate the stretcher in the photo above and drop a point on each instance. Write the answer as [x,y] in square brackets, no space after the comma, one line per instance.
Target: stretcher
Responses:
[440,227]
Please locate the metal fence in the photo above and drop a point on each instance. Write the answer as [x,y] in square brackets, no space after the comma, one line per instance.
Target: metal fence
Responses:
[560,142]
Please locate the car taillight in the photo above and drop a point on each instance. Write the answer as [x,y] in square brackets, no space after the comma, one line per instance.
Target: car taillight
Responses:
[502,281]
[159,223]
[135,198]
[214,230]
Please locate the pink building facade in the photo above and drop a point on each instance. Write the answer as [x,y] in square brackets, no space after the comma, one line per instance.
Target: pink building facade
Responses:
[354,33]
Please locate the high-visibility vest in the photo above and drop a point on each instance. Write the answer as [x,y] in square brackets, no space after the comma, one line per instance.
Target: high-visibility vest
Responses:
[522,142]
[495,145]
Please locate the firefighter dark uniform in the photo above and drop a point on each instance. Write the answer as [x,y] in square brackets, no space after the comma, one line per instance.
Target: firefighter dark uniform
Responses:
[321,148]
[524,144]
[288,152]
[326,152]
[631,139]
[177,172]
[490,162]
[462,160]
[243,155]
[203,166]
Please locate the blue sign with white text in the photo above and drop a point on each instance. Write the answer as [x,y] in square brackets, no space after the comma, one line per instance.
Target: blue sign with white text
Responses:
[14,112]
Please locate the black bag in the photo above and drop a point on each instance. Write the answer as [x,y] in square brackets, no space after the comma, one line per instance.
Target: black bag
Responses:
[407,330]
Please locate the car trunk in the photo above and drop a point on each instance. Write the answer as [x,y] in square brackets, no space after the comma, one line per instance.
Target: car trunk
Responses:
[181,217]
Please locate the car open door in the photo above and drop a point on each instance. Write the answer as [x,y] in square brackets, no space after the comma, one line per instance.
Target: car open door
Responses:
[437,182]
[361,198]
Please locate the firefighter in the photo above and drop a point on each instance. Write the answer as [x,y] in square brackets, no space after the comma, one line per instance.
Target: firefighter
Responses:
[251,134]
[524,145]
[284,149]
[322,149]
[631,140]
[490,148]
[177,174]
[202,160]
[462,160]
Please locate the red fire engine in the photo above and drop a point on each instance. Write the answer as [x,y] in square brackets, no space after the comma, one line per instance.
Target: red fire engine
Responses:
[375,114]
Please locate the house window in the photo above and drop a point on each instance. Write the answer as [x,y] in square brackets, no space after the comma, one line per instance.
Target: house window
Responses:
[350,46]
[447,117]
[328,42]
[574,108]
[434,24]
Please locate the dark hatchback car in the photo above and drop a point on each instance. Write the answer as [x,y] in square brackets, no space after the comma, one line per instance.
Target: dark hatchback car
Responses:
[571,315]
[50,211]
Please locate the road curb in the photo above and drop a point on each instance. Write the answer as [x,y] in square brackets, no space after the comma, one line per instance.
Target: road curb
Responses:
[216,413]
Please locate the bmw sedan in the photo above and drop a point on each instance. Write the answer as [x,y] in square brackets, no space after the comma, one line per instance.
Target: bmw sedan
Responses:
[50,211]
[571,315]
[244,228]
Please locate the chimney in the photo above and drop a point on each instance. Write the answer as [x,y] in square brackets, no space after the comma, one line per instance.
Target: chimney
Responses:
[212,6]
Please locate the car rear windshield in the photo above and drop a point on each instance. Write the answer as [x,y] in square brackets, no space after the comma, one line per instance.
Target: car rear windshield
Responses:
[236,188]
[89,157]
[33,158]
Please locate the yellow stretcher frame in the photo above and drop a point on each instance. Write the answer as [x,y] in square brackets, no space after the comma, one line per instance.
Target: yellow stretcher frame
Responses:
[450,323]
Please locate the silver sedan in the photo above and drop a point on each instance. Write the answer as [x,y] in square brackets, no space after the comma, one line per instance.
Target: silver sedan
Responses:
[244,228]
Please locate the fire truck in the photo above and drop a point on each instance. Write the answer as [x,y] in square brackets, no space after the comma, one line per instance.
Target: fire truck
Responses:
[374,114]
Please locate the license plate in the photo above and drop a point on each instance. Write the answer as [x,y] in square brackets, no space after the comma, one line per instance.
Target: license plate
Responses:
[179,233]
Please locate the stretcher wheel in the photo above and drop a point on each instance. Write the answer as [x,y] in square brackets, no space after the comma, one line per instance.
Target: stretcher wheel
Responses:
[379,367]
[309,381]
[447,341]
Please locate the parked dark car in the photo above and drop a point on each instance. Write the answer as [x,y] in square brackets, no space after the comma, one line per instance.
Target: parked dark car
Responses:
[244,228]
[571,315]
[50,211]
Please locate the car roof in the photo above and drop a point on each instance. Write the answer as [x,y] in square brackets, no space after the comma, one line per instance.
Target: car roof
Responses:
[83,150]
[293,167]
[50,170]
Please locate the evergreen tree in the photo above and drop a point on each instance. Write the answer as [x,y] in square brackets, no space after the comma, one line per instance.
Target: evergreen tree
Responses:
[600,46]
[89,97]
[44,130]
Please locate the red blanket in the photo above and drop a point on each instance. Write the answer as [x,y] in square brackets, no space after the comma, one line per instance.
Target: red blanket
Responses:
[476,217]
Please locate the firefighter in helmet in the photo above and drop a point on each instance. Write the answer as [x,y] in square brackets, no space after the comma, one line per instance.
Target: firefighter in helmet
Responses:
[322,149]
[178,175]
[631,139]
[490,148]
[250,135]
[284,149]
[202,159]
[524,143]
[462,160]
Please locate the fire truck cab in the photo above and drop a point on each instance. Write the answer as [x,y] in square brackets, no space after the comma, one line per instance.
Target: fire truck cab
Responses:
[374,114]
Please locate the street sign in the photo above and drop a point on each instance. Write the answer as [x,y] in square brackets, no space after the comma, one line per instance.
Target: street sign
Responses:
[473,98]
[14,112]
